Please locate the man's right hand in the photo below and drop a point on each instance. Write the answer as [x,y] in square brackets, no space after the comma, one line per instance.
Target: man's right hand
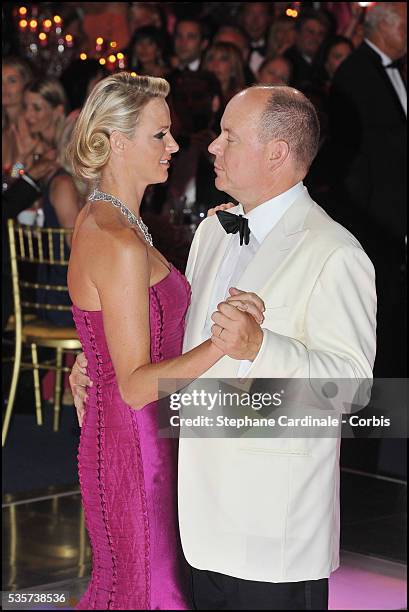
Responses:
[79,381]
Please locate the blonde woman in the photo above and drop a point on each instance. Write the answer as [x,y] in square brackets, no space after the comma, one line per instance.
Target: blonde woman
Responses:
[226,62]
[16,73]
[129,309]
[38,130]
[45,106]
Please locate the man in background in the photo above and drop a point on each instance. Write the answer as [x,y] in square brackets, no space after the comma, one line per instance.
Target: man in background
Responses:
[312,28]
[368,109]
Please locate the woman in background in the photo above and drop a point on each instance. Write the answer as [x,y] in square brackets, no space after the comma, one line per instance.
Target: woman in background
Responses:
[329,58]
[146,52]
[226,62]
[39,128]
[45,107]
[16,73]
[274,71]
[334,53]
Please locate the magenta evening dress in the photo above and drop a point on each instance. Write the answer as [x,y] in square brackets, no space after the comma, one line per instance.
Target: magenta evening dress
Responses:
[128,475]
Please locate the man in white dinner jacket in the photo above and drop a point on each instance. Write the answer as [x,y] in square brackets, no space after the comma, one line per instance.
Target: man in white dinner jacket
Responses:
[259,518]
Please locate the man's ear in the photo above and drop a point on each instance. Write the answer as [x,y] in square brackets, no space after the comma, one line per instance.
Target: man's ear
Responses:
[278,153]
[118,142]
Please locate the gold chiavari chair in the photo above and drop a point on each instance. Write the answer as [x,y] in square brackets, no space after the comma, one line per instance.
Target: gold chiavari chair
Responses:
[32,247]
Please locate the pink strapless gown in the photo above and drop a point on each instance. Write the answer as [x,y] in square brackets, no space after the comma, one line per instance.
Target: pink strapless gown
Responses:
[128,475]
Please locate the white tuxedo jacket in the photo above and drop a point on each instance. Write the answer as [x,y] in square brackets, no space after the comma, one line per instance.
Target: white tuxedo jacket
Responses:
[268,509]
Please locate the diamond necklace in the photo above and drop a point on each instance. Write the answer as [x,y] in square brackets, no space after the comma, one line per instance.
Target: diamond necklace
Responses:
[132,218]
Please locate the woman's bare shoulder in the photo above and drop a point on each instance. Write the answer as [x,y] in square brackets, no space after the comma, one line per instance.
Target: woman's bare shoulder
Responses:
[106,233]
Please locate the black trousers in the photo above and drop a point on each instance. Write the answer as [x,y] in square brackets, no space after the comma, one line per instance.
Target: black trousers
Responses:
[213,591]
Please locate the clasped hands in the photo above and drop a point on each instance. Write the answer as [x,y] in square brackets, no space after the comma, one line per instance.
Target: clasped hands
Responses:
[236,330]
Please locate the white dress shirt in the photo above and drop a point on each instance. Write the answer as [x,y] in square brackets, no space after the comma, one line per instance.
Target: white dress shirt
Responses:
[262,220]
[256,58]
[194,66]
[394,76]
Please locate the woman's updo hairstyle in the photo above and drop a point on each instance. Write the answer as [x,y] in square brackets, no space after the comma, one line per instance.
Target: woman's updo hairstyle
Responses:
[115,104]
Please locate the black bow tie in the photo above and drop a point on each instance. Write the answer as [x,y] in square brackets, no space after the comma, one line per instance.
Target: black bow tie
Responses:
[395,64]
[258,44]
[235,223]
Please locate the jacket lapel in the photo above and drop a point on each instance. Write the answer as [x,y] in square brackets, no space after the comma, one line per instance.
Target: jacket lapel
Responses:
[203,286]
[377,62]
[276,247]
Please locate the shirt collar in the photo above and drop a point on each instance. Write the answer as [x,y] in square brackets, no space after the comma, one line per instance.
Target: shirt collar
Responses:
[256,44]
[385,59]
[264,217]
[193,66]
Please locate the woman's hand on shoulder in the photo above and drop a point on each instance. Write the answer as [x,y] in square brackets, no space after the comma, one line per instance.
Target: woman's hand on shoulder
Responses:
[213,211]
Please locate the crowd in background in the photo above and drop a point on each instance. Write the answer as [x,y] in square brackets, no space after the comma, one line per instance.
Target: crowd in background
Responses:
[349,61]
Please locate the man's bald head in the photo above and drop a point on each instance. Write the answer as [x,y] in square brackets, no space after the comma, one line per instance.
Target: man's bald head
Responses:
[286,114]
[269,137]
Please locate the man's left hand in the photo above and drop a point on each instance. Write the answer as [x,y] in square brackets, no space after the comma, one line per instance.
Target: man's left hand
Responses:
[236,333]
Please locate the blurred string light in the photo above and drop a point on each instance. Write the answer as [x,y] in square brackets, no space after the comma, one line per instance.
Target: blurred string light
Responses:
[366,4]
[41,39]
[121,60]
[293,10]
[105,54]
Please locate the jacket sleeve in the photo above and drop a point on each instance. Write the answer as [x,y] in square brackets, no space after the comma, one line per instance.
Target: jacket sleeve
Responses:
[19,196]
[193,252]
[339,340]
